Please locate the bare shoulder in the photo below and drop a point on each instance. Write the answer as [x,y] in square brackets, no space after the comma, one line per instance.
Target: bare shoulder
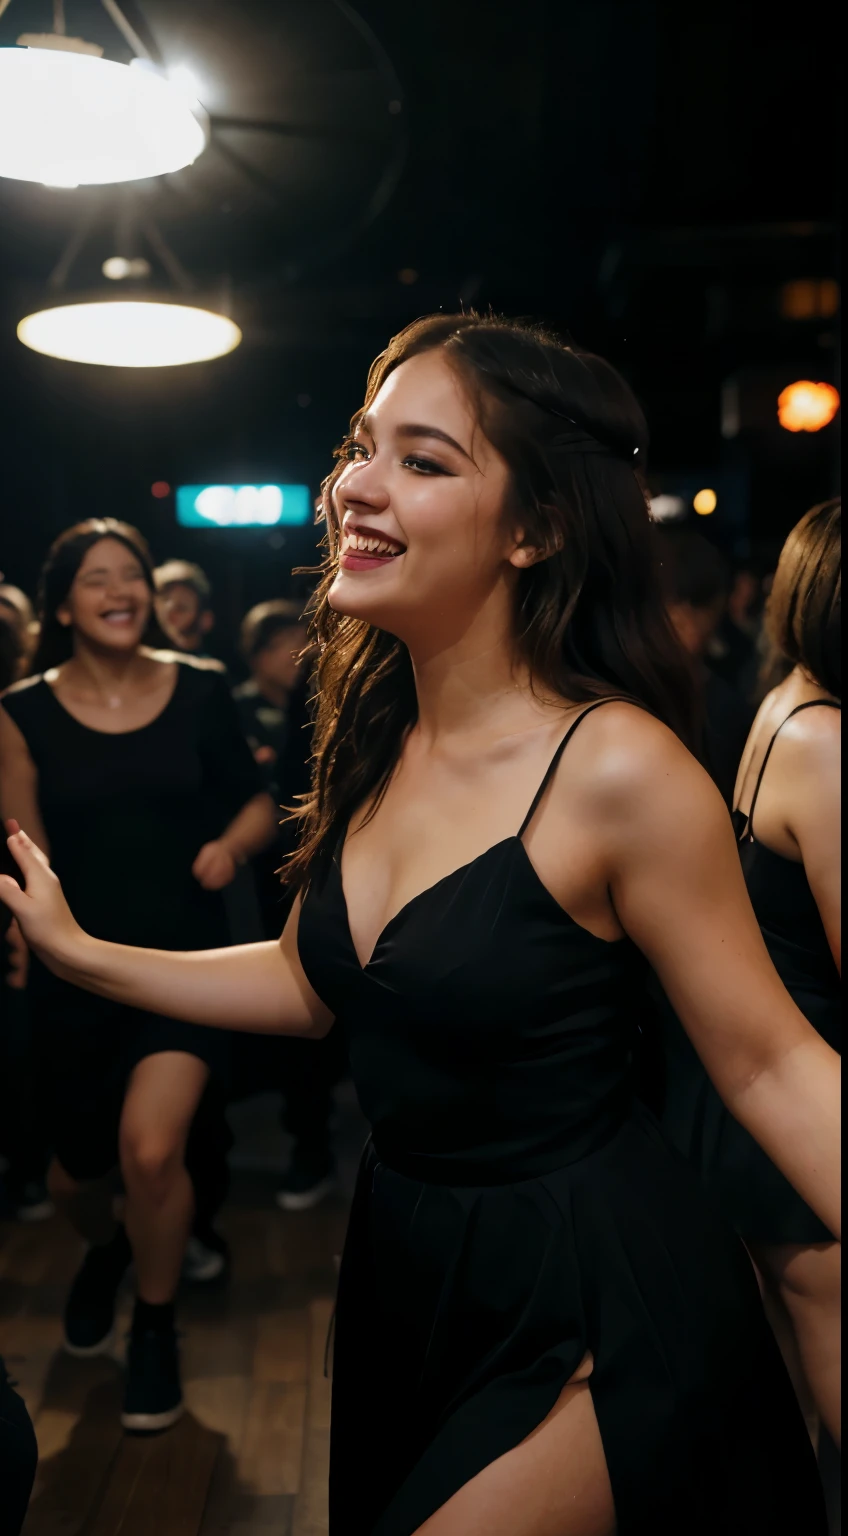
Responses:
[22,686]
[625,756]
[808,763]
[190,663]
[814,732]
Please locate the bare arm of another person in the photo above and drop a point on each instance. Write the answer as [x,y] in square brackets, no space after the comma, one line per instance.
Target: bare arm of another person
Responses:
[813,773]
[253,987]
[676,882]
[19,781]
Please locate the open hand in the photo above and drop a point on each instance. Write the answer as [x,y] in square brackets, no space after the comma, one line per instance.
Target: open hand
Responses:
[43,915]
[215,866]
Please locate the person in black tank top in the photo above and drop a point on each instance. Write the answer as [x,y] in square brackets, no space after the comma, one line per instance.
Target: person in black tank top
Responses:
[543,1327]
[129,765]
[788,841]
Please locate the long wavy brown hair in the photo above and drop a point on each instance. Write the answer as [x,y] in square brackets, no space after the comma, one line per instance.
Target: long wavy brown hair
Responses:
[589,617]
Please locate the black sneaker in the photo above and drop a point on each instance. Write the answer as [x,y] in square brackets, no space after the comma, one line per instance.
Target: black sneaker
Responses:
[207,1257]
[153,1399]
[307,1182]
[90,1307]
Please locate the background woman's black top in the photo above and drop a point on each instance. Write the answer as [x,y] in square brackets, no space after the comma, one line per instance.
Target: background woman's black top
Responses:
[127,814]
[754,1196]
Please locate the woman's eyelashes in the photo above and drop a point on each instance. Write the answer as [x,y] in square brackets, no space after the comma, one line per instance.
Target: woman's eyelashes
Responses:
[424,466]
[353,452]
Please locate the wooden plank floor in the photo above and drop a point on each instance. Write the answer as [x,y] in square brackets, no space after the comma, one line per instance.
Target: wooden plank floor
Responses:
[249,1458]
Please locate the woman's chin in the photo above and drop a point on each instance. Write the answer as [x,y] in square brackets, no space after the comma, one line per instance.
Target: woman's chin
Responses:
[346,596]
[118,640]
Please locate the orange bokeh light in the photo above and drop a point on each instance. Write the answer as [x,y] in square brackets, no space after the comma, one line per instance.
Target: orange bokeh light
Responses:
[160,489]
[807,407]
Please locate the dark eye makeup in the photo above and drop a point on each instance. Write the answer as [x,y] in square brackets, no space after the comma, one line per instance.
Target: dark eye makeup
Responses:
[353,452]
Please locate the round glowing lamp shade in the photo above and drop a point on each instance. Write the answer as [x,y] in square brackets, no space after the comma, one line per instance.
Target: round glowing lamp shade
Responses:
[127,334]
[68,119]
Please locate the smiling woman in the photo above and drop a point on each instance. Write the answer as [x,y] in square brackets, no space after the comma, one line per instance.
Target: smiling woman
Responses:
[500,466]
[117,751]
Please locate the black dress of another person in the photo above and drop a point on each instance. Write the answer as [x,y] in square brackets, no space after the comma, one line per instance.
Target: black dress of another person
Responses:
[516,1207]
[126,815]
[754,1196]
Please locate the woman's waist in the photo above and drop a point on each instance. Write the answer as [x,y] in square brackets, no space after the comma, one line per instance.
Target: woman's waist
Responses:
[497,1154]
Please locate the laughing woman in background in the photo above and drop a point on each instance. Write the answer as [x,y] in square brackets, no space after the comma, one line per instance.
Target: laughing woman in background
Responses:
[128,765]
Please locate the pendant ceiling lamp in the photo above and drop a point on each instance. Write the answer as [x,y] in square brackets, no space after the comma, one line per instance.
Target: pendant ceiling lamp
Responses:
[136,325]
[134,333]
[70,118]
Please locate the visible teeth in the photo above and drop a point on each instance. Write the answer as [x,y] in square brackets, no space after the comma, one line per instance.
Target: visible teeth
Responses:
[369,545]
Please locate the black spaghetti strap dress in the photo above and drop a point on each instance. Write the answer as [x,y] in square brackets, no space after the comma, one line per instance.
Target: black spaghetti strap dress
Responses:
[754,1196]
[517,1206]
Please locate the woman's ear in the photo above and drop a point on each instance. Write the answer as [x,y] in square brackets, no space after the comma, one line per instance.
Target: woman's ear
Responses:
[64,617]
[525,554]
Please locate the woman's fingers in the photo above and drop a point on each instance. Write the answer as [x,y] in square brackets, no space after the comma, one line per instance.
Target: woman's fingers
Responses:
[26,853]
[31,863]
[11,893]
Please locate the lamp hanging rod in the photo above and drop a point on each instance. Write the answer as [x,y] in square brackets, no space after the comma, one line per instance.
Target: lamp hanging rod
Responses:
[127,31]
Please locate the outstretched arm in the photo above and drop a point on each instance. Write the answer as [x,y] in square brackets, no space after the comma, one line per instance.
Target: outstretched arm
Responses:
[252,987]
[678,889]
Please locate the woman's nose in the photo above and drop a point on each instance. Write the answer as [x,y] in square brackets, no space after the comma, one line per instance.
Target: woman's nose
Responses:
[364,486]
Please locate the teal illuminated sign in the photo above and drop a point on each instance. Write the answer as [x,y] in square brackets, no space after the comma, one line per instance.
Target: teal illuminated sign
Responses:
[243,506]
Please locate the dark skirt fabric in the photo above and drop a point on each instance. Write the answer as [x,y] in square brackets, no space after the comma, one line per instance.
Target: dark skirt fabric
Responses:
[463,1312]
[87,1048]
[755,1198]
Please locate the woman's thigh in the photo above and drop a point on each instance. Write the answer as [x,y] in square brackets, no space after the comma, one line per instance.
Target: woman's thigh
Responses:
[555,1483]
[161,1098]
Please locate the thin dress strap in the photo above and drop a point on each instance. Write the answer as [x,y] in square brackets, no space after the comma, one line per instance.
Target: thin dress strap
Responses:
[554,762]
[810,704]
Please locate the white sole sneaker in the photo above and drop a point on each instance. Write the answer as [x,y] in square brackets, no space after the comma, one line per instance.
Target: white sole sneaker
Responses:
[202,1264]
[88,1351]
[40,1212]
[287,1200]
[150,1423]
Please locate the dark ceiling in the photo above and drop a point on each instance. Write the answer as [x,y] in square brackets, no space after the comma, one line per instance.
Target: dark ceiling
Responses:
[642,173]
